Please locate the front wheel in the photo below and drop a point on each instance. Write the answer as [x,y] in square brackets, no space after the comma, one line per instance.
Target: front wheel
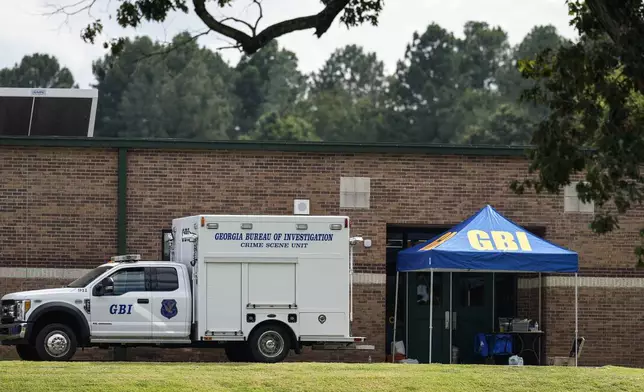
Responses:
[27,352]
[270,343]
[56,342]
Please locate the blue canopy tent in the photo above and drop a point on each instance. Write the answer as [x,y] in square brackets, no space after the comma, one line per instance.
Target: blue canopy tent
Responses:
[485,242]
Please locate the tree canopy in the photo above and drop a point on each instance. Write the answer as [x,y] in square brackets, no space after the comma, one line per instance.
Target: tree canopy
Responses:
[594,128]
[444,90]
[37,70]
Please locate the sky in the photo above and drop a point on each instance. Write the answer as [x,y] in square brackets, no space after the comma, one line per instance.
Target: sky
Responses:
[29,26]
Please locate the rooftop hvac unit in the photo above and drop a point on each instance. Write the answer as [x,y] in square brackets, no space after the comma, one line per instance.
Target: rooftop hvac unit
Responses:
[66,112]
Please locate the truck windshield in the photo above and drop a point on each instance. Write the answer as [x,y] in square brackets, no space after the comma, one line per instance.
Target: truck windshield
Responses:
[89,277]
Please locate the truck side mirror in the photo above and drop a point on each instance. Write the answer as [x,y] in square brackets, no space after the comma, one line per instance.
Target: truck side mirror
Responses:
[104,287]
[108,286]
[98,290]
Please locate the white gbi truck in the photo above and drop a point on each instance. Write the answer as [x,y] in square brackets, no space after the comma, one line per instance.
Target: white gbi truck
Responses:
[258,286]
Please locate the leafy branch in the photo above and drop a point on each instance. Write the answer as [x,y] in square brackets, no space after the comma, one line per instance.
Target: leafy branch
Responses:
[132,13]
[595,126]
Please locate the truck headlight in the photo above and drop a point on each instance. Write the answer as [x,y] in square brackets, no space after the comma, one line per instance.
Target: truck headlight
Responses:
[22,307]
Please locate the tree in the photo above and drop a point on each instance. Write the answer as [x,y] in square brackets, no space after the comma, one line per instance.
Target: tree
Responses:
[269,81]
[483,52]
[595,127]
[509,80]
[493,114]
[352,70]
[505,124]
[424,87]
[273,127]
[346,99]
[187,93]
[37,71]
[338,117]
[133,13]
[440,76]
[113,75]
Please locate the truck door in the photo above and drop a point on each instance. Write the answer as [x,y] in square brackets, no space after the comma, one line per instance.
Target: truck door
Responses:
[125,310]
[170,303]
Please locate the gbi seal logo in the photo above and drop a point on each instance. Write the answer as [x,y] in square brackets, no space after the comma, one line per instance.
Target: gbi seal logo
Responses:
[169,308]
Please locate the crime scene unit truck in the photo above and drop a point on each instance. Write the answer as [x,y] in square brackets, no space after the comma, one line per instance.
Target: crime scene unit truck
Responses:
[258,286]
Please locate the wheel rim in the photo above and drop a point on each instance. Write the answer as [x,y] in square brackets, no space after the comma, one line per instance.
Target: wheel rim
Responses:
[57,344]
[270,344]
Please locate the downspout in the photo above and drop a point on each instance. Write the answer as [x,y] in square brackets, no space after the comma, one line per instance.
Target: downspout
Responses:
[121,207]
[120,353]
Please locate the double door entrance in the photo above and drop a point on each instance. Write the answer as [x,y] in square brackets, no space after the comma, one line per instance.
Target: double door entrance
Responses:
[477,300]
[471,313]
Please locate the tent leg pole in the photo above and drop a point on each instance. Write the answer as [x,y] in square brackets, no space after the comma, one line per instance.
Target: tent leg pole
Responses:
[493,298]
[576,318]
[407,315]
[393,343]
[539,316]
[431,312]
[451,325]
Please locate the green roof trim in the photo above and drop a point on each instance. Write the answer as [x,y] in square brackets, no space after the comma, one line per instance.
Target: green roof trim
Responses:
[316,147]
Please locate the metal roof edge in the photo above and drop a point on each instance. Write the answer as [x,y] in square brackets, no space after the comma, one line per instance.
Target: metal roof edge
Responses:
[318,147]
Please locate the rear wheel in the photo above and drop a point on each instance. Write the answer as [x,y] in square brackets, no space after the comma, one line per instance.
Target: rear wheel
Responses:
[56,342]
[27,352]
[270,343]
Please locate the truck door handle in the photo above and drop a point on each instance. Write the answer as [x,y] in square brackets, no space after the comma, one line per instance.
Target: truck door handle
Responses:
[142,300]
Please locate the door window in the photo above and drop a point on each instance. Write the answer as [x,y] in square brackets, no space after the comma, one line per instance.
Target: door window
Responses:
[472,291]
[164,279]
[128,280]
[423,284]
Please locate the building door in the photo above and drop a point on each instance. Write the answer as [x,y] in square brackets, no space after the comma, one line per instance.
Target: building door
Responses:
[472,311]
[419,313]
[412,326]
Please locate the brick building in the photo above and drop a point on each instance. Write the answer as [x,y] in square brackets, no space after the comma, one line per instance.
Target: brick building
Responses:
[67,205]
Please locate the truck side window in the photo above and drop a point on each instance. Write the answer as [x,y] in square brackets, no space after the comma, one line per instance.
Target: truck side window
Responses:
[129,280]
[164,279]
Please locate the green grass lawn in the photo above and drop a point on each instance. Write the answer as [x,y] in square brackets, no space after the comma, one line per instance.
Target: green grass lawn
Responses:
[158,377]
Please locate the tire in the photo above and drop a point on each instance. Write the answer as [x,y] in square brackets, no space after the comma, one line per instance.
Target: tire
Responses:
[238,352]
[56,342]
[270,343]
[27,352]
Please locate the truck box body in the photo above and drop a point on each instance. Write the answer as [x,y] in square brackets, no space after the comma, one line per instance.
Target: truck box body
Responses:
[249,269]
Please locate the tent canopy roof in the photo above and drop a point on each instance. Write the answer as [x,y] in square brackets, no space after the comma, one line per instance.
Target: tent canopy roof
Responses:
[488,241]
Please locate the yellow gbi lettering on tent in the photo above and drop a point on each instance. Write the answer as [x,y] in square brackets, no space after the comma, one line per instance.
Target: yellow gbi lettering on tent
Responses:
[499,240]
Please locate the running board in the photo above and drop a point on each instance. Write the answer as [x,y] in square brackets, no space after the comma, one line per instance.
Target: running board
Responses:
[140,341]
[343,346]
[336,343]
[331,339]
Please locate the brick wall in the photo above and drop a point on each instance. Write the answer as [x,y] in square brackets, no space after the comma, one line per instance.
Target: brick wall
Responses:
[57,206]
[64,199]
[610,320]
[404,190]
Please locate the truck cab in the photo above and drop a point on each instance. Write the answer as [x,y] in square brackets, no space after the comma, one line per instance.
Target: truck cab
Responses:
[123,301]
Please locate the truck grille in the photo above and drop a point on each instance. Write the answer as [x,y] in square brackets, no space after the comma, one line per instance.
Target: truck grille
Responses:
[7,311]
